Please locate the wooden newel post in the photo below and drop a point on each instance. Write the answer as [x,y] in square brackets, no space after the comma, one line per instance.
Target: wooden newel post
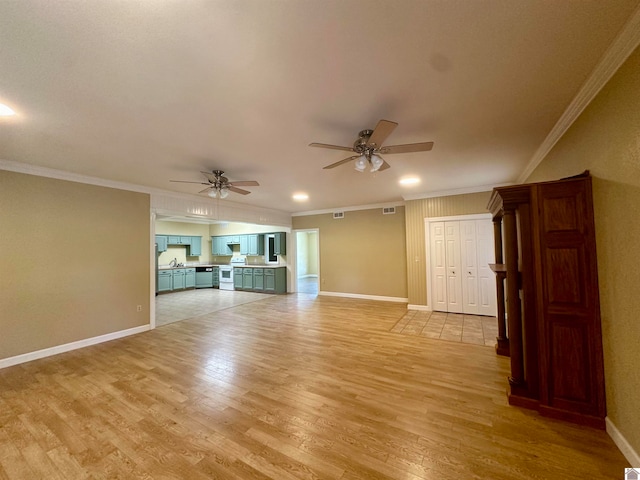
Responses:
[502,346]
[513,305]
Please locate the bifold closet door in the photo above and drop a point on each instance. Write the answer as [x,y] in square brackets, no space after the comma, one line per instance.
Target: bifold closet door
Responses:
[445,266]
[462,282]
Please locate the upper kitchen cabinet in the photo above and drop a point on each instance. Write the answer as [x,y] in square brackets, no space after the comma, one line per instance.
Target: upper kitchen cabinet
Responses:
[195,247]
[252,244]
[161,240]
[219,246]
[280,243]
[193,244]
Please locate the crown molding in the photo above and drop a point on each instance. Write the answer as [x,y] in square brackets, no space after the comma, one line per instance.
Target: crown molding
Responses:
[159,197]
[624,44]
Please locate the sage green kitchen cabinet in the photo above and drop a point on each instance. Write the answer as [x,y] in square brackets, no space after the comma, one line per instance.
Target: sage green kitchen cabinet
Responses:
[233,239]
[275,280]
[195,247]
[165,281]
[258,279]
[178,278]
[185,240]
[247,278]
[237,278]
[216,277]
[189,278]
[219,246]
[244,244]
[173,239]
[256,244]
[161,240]
[280,243]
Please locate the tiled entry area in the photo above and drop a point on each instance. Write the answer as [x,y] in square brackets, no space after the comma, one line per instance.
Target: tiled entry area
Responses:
[176,306]
[454,327]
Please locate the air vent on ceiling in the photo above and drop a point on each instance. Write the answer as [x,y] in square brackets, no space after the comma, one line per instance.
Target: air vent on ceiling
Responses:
[338,214]
[388,210]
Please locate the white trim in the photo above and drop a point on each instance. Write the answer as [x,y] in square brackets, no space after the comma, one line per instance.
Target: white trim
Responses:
[167,202]
[348,209]
[617,53]
[67,347]
[152,271]
[423,308]
[364,297]
[625,447]
[471,216]
[457,191]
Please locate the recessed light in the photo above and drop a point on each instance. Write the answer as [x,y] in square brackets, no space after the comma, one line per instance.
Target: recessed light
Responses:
[300,197]
[6,111]
[409,181]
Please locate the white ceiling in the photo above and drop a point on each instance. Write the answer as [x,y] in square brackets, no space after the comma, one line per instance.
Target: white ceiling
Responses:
[148,91]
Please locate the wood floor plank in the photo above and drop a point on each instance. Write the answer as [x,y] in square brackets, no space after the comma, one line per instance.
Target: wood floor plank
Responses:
[288,387]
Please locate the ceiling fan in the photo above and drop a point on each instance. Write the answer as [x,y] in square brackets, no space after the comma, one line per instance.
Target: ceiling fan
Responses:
[368,148]
[219,185]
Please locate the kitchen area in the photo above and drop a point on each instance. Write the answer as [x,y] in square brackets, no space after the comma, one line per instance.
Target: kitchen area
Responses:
[203,267]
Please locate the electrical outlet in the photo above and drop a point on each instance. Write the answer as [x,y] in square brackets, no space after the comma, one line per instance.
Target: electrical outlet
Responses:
[139,308]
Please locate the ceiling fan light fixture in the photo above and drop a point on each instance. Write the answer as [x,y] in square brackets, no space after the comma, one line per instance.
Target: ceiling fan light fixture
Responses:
[376,163]
[361,163]
[213,193]
[224,193]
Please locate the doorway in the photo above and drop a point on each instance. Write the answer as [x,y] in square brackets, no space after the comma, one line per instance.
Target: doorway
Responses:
[460,250]
[307,261]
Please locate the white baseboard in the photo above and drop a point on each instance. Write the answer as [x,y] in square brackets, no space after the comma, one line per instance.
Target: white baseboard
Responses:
[67,347]
[418,307]
[364,297]
[627,450]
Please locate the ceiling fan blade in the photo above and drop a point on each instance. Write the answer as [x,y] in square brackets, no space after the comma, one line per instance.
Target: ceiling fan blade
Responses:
[210,176]
[184,181]
[205,190]
[408,148]
[245,183]
[381,132]
[239,190]
[345,160]
[333,147]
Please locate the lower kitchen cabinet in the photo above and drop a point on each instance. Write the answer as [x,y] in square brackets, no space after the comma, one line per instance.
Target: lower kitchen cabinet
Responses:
[216,277]
[178,278]
[247,278]
[189,278]
[165,281]
[237,278]
[258,279]
[275,280]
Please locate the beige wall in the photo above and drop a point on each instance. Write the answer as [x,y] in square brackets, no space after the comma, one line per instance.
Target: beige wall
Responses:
[416,212]
[178,252]
[76,262]
[362,253]
[606,141]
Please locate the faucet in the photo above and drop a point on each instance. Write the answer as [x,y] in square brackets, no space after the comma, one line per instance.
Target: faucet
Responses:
[173,263]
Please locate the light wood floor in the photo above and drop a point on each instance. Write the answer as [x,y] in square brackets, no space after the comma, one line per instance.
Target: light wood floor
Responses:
[290,387]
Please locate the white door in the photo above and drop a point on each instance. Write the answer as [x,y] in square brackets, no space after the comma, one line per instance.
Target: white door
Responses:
[487,304]
[438,266]
[454,280]
[461,281]
[469,257]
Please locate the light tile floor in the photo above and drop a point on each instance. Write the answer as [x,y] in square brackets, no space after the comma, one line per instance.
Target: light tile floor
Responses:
[308,285]
[176,306]
[454,327]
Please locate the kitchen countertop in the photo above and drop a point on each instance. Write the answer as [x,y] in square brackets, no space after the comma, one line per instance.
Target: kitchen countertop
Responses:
[248,265]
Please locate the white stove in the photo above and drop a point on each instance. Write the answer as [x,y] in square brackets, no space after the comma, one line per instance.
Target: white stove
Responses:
[226,272]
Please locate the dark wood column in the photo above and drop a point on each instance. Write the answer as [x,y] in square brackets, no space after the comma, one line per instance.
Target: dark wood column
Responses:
[502,345]
[513,300]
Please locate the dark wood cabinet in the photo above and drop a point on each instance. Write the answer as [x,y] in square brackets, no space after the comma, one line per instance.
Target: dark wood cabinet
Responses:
[546,233]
